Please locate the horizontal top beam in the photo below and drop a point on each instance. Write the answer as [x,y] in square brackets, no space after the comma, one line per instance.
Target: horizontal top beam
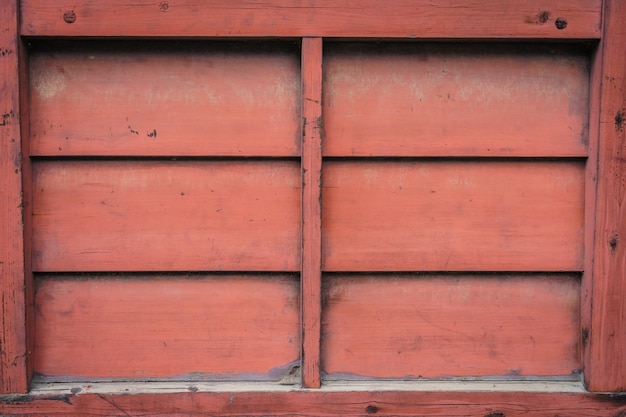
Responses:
[410,19]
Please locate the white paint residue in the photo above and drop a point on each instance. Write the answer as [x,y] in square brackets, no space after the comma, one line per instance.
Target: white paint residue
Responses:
[48,84]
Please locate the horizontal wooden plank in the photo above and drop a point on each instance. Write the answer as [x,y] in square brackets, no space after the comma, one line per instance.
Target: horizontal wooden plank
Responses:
[452,215]
[166,216]
[426,326]
[165,99]
[326,18]
[317,403]
[147,327]
[457,100]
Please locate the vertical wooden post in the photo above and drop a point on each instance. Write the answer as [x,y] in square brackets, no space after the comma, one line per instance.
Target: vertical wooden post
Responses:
[13,333]
[311,209]
[605,365]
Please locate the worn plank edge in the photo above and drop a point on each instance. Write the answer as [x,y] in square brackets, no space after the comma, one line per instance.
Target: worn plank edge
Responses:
[547,386]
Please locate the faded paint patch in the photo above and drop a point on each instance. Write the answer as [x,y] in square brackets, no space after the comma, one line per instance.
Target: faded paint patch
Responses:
[48,84]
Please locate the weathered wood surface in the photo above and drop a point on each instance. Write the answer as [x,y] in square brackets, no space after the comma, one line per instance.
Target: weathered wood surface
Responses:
[12,272]
[166,216]
[556,19]
[455,100]
[452,215]
[165,99]
[320,403]
[178,326]
[311,209]
[607,338]
[535,19]
[438,326]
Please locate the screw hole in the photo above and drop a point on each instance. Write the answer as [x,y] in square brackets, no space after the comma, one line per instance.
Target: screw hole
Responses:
[69,17]
[560,23]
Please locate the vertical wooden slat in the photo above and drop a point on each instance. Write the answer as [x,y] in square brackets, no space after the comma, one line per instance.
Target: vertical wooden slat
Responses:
[27,204]
[12,334]
[591,182]
[311,209]
[605,368]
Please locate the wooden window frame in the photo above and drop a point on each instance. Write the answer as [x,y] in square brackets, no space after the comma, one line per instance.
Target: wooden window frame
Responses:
[601,22]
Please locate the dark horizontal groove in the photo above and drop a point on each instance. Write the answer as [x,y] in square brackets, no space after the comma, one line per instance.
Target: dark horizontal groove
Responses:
[523,44]
[451,274]
[162,44]
[158,274]
[183,158]
[357,159]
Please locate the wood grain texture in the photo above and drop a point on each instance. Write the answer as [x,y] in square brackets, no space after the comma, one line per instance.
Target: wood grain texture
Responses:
[455,100]
[325,18]
[152,327]
[315,403]
[166,216]
[452,215]
[591,196]
[165,99]
[311,209]
[429,326]
[13,374]
[606,364]
[27,185]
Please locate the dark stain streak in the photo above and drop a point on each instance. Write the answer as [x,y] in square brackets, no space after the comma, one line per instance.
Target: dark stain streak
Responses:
[614,242]
[619,120]
[13,399]
[5,51]
[495,414]
[539,19]
[543,17]
[132,131]
[585,336]
[320,126]
[617,400]
[152,134]
[5,118]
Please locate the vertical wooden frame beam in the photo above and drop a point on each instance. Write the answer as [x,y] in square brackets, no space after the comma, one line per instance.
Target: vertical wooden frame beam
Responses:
[311,209]
[13,376]
[27,192]
[605,367]
[591,181]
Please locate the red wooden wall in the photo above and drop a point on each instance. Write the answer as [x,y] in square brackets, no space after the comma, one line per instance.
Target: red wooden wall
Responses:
[313,211]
